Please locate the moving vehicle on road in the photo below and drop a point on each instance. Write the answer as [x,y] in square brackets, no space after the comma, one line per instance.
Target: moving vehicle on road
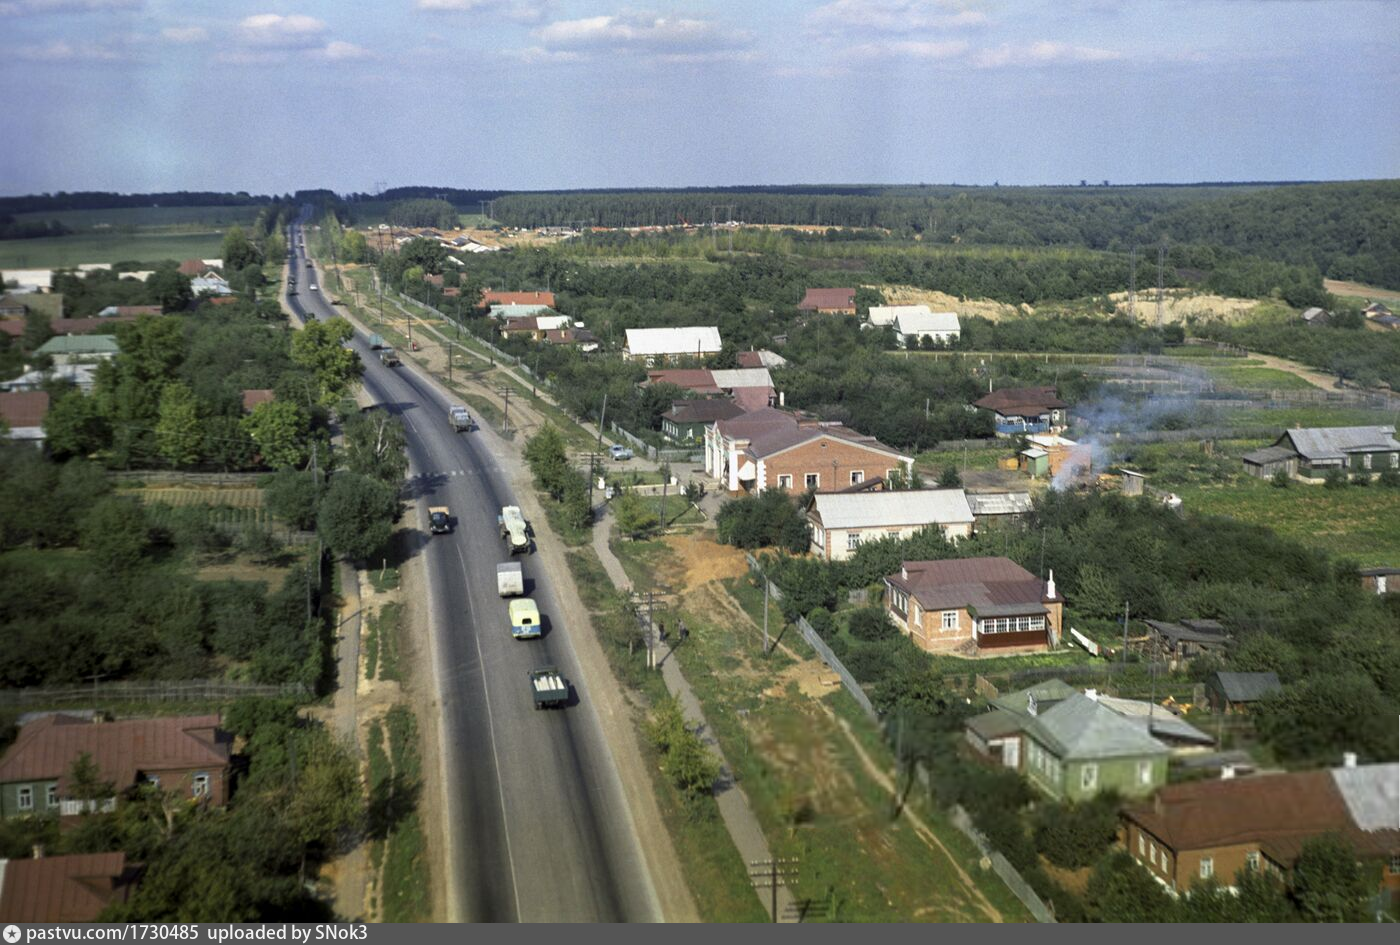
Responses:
[375,342]
[618,451]
[510,578]
[459,418]
[524,619]
[550,687]
[439,520]
[389,358]
[514,529]
[313,287]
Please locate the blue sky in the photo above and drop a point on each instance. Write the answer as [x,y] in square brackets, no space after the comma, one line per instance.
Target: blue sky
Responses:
[271,96]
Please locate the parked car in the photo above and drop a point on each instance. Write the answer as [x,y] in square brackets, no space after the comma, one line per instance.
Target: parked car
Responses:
[619,452]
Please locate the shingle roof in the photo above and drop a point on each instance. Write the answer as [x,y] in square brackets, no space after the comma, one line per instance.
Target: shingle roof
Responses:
[255,396]
[1247,687]
[692,339]
[24,408]
[1021,401]
[1046,694]
[754,423]
[46,749]
[998,723]
[890,509]
[777,441]
[701,411]
[1199,631]
[519,324]
[991,586]
[1000,503]
[63,888]
[760,359]
[1082,728]
[1335,442]
[828,298]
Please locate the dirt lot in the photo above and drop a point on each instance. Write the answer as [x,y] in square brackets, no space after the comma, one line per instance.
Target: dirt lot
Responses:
[1360,290]
[1177,306]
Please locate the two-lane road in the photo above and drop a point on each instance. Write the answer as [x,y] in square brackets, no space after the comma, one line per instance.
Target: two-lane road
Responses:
[536,821]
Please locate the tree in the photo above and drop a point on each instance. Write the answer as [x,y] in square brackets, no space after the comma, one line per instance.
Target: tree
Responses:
[293,497]
[354,248]
[325,798]
[871,624]
[239,252]
[375,446]
[357,515]
[38,328]
[281,430]
[900,480]
[75,426]
[1074,835]
[1120,890]
[179,433]
[115,533]
[1096,592]
[171,288]
[1308,719]
[636,517]
[319,348]
[949,478]
[685,759]
[1328,882]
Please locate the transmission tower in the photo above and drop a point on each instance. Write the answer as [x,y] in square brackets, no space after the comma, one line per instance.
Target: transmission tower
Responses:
[1161,269]
[379,187]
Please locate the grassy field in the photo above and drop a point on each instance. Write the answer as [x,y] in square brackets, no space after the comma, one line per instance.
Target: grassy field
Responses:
[1249,377]
[937,460]
[1355,522]
[131,218]
[108,246]
[1318,416]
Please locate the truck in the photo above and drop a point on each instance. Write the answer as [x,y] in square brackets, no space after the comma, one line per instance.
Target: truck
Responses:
[459,418]
[510,578]
[514,529]
[524,619]
[389,358]
[375,342]
[550,687]
[439,520]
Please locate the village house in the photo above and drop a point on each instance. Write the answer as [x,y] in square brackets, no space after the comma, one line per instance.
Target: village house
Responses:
[534,327]
[829,302]
[81,376]
[686,421]
[771,448]
[842,521]
[491,297]
[257,395]
[1184,641]
[581,338]
[1237,692]
[881,316]
[23,413]
[1311,453]
[913,328]
[192,267]
[1316,317]
[1020,410]
[12,306]
[189,756]
[70,889]
[211,283]
[1381,580]
[750,388]
[654,345]
[990,509]
[1217,829]
[509,310]
[79,349]
[760,359]
[974,606]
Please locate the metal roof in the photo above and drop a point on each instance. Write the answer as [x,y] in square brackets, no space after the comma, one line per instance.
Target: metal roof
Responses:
[694,339]
[742,377]
[1157,720]
[1335,442]
[1082,728]
[1269,454]
[886,314]
[916,323]
[1372,794]
[1000,503]
[889,509]
[1247,687]
[80,344]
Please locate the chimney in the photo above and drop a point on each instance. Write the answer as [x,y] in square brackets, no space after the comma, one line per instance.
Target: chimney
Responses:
[1227,772]
[1092,694]
[1050,586]
[1348,759]
[37,851]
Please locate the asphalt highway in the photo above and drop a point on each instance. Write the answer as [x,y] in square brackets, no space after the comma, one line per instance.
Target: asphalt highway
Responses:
[535,819]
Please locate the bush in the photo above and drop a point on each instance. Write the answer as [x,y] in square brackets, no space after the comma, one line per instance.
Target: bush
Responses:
[771,519]
[821,621]
[1076,835]
[1361,479]
[1280,479]
[871,624]
[1390,478]
[1336,479]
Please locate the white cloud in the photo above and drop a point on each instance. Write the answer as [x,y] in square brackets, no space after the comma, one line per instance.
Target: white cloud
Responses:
[646,32]
[339,50]
[911,49]
[23,7]
[1041,53]
[63,51]
[276,31]
[185,34]
[894,16]
[538,54]
[524,11]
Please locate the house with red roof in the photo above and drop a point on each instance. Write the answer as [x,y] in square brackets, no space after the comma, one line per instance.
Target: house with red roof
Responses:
[493,297]
[829,301]
[974,605]
[74,888]
[23,413]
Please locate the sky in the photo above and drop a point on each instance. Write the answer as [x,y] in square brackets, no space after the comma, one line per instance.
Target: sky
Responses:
[270,96]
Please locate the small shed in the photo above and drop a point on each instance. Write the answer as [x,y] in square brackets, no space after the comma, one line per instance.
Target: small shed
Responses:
[1133,482]
[1035,462]
[1263,464]
[1235,692]
[1187,639]
[1381,580]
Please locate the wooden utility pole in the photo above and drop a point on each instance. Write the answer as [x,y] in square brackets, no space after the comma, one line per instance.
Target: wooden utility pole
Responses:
[766,585]
[1125,631]
[505,417]
[772,874]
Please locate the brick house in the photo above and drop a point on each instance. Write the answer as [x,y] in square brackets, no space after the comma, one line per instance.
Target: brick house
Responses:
[829,301]
[492,297]
[64,888]
[771,448]
[1217,829]
[189,756]
[1019,410]
[974,605]
[842,521]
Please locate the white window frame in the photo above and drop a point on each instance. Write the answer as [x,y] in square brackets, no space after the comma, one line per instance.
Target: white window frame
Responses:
[947,624]
[1395,460]
[1089,777]
[1251,861]
[1144,772]
[852,541]
[785,481]
[1152,855]
[1142,845]
[812,480]
[1366,460]
[857,476]
[200,785]
[1207,868]
[24,798]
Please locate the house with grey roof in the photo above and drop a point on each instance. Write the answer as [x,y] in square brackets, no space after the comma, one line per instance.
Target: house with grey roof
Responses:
[974,606]
[842,521]
[78,349]
[1235,692]
[1311,453]
[1316,316]
[1080,747]
[993,508]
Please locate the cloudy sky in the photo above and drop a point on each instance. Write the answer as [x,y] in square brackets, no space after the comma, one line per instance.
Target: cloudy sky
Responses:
[272,96]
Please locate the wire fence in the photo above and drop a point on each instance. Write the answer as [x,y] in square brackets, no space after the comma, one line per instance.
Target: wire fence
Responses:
[189,690]
[1000,865]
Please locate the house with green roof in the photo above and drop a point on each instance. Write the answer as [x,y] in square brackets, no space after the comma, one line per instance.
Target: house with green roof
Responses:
[76,349]
[1069,744]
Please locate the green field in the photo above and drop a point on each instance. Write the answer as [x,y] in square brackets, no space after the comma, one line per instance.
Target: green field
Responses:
[107,247]
[1319,416]
[1250,377]
[166,218]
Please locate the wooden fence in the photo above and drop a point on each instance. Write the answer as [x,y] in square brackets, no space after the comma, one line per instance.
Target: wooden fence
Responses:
[188,690]
[195,480]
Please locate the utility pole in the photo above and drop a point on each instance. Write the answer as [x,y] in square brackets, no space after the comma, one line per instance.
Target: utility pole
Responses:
[601,417]
[505,418]
[448,346]
[1125,631]
[772,874]
[766,585]
[1132,282]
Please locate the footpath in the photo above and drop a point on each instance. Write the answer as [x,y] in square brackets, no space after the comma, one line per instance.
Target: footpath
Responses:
[739,819]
